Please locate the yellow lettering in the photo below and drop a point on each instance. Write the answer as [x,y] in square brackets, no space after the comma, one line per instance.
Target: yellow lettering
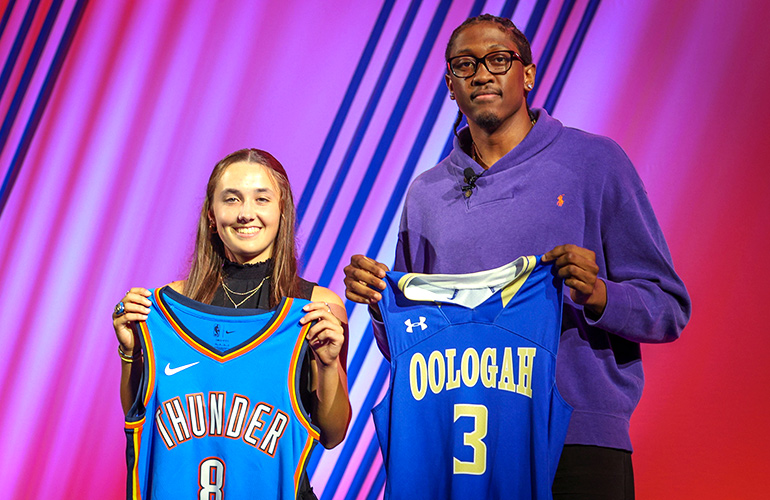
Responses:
[419,385]
[452,375]
[526,359]
[489,367]
[506,373]
[470,366]
[436,371]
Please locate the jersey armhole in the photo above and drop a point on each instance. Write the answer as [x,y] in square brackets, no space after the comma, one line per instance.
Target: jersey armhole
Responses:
[147,381]
[295,381]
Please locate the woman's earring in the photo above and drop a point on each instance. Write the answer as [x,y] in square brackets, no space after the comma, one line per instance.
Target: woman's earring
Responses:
[452,96]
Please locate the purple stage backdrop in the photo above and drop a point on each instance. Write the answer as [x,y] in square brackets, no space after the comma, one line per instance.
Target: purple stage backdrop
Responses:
[114,112]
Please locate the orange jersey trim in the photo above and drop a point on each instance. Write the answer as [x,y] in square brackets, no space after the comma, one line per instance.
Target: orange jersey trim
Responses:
[303,462]
[295,366]
[149,360]
[276,322]
[136,437]
[313,434]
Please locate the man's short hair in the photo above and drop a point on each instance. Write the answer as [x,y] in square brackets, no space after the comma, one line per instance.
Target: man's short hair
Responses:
[505,25]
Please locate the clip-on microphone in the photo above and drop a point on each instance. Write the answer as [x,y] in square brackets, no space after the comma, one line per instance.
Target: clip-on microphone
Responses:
[470,181]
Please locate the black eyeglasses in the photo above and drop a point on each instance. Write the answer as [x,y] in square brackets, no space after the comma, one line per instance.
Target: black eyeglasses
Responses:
[497,63]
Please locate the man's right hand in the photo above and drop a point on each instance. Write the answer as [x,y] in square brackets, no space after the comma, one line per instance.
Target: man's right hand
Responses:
[363,277]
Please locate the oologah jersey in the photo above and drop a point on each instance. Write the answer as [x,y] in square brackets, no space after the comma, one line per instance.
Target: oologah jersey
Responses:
[218,413]
[472,410]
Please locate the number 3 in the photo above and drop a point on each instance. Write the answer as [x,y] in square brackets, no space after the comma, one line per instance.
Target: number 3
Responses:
[473,439]
[211,479]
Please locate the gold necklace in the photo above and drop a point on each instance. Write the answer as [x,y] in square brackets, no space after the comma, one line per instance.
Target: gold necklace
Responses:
[249,294]
[475,152]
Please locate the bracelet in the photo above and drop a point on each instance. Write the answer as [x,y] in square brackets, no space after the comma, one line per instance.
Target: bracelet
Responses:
[125,357]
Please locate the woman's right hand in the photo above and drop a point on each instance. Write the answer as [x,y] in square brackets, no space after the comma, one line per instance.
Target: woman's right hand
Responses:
[137,307]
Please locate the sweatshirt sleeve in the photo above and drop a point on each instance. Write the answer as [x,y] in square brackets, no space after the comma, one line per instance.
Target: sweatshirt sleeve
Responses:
[378,328]
[646,299]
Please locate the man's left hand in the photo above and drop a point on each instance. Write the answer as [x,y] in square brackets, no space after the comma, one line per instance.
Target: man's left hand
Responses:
[577,267]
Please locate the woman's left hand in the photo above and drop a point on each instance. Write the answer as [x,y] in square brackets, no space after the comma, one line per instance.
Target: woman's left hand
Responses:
[327,335]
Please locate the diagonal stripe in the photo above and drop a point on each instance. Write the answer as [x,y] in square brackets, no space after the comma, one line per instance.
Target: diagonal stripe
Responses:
[569,59]
[363,468]
[377,485]
[535,18]
[509,8]
[355,432]
[29,71]
[17,44]
[390,212]
[378,240]
[358,136]
[42,101]
[383,146]
[6,16]
[354,367]
[550,46]
[342,113]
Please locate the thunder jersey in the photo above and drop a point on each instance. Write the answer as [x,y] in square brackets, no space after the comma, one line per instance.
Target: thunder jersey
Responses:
[472,410]
[218,413]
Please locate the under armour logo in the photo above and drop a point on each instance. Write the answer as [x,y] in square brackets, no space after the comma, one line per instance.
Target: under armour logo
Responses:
[410,326]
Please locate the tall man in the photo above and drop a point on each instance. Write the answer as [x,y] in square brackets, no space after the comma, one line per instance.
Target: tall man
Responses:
[545,189]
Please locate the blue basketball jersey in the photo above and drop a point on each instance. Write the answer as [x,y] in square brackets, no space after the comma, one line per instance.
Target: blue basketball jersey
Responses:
[472,410]
[218,414]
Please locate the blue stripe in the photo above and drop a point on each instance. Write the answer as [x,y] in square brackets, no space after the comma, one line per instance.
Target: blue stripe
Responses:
[397,195]
[509,8]
[550,46]
[377,485]
[363,469]
[17,44]
[342,112]
[569,59]
[449,144]
[358,136]
[355,364]
[355,143]
[42,101]
[354,368]
[6,16]
[535,18]
[29,71]
[365,188]
[355,432]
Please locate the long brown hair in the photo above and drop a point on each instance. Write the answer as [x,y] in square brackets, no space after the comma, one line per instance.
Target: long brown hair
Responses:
[209,255]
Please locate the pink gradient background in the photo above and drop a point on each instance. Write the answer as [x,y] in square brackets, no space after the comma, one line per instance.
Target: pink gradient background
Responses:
[153,93]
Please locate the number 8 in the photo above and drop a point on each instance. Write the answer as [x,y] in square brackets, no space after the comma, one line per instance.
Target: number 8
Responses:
[211,479]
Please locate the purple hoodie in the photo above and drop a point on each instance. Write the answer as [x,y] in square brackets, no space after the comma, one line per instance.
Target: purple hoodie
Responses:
[559,185]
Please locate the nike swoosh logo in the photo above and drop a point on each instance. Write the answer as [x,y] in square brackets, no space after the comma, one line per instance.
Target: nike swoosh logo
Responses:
[173,371]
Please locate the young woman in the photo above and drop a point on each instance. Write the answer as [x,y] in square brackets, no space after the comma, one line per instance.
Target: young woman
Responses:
[245,257]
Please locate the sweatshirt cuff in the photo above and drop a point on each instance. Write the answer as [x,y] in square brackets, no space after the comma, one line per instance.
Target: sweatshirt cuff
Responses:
[615,315]
[378,328]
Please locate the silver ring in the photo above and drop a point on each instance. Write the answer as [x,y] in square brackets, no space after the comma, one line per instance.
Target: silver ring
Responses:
[120,308]
[327,306]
